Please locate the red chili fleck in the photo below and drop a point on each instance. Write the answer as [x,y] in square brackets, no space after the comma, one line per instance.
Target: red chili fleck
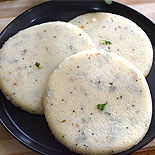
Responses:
[82,27]
[103,142]
[134,78]
[14,84]
[75,125]
[19,67]
[71,79]
[97,54]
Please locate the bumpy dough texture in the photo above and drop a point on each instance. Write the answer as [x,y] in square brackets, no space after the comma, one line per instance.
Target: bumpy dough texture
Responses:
[128,39]
[85,80]
[48,44]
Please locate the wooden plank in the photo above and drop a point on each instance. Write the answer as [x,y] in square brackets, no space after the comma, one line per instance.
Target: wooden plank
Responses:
[133,2]
[152,152]
[9,145]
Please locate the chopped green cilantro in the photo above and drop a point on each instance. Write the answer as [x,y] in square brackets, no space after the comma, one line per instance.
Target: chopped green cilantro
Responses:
[101,106]
[111,83]
[23,52]
[106,42]
[37,64]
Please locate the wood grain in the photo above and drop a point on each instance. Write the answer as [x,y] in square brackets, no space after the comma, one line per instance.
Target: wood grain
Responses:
[9,9]
[10,146]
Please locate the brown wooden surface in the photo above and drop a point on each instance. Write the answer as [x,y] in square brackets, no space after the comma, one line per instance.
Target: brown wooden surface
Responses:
[9,9]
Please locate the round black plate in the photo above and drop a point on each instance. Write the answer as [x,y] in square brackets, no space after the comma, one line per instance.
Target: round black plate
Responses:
[32,130]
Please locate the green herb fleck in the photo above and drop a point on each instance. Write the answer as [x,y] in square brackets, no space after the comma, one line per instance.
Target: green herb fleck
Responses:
[108,1]
[98,54]
[111,83]
[71,47]
[101,106]
[63,121]
[99,82]
[106,42]
[37,64]
[46,48]
[107,113]
[23,52]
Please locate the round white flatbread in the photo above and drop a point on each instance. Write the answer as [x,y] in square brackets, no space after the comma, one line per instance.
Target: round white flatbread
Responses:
[117,34]
[28,58]
[97,103]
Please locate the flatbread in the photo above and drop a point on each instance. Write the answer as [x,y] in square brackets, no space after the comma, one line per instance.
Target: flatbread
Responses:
[117,34]
[97,103]
[28,58]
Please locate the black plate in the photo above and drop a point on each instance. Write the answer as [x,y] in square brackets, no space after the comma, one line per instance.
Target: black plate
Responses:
[32,130]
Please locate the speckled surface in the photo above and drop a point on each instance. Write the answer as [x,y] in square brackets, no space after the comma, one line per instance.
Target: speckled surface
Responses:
[84,82]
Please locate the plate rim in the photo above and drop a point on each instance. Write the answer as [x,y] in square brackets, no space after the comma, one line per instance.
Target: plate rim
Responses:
[4,123]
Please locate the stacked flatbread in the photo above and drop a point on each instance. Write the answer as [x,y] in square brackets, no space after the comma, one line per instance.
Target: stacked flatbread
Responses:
[117,34]
[29,57]
[95,101]
[92,98]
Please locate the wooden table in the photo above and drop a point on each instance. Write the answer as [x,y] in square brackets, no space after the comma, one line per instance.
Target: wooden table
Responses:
[9,9]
